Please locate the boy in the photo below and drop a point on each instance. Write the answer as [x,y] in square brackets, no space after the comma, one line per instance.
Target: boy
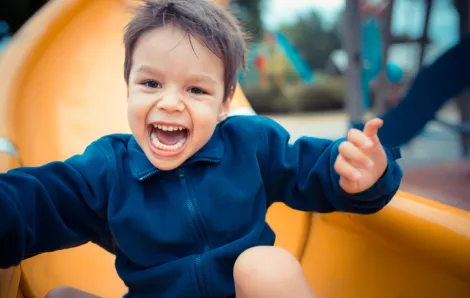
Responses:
[182,201]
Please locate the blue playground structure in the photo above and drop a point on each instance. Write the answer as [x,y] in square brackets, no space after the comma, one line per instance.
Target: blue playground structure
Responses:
[372,59]
[299,64]
[4,35]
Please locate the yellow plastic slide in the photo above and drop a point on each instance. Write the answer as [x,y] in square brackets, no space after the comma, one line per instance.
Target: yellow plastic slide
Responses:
[61,86]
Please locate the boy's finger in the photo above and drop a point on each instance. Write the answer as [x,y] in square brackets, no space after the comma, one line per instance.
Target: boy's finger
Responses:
[372,127]
[354,155]
[348,185]
[359,139]
[346,170]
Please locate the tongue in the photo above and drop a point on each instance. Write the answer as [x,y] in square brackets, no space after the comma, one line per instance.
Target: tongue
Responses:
[169,137]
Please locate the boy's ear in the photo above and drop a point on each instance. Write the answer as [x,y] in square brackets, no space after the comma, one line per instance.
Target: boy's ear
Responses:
[225,108]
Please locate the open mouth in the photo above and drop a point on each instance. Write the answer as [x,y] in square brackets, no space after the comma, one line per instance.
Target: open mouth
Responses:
[169,138]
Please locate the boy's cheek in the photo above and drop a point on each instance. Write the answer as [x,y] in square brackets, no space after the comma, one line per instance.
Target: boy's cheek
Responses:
[139,101]
[136,116]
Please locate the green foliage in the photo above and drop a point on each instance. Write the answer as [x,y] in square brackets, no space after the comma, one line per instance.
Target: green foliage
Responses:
[269,101]
[249,14]
[314,41]
[322,96]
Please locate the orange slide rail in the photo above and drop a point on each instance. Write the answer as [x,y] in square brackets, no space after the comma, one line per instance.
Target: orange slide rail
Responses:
[61,87]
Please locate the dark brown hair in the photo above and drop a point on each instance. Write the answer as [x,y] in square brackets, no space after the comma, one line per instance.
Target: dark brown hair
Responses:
[212,25]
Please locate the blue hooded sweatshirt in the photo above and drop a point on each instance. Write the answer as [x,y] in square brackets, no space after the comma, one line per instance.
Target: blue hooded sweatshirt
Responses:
[177,233]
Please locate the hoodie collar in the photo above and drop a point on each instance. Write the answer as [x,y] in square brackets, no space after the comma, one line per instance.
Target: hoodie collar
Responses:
[141,168]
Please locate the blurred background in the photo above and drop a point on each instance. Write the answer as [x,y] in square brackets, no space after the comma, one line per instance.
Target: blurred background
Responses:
[298,75]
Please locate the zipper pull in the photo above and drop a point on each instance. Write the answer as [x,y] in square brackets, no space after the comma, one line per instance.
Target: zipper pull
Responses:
[180,173]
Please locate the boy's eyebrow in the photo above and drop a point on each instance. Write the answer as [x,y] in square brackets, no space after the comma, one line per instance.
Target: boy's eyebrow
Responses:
[196,77]
[147,69]
[204,78]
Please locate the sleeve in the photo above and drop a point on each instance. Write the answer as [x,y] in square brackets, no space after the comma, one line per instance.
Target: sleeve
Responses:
[55,206]
[302,174]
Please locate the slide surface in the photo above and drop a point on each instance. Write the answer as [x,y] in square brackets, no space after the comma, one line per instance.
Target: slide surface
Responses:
[62,86]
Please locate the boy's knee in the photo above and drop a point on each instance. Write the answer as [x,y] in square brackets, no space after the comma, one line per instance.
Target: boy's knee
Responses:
[67,292]
[266,264]
[267,271]
[58,292]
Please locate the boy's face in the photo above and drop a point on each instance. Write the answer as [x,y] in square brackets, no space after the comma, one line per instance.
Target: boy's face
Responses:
[175,96]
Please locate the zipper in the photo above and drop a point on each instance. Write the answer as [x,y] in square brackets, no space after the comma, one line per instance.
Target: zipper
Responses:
[199,228]
[203,159]
[148,175]
[200,275]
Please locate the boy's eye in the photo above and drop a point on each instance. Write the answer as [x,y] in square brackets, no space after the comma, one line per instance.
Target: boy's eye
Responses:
[196,90]
[151,84]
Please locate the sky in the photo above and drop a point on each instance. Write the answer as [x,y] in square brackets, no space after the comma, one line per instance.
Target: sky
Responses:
[281,11]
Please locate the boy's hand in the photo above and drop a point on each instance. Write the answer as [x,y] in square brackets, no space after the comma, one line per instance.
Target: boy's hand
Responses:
[362,159]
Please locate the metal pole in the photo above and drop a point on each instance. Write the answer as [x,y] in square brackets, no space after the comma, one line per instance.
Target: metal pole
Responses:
[352,43]
[383,83]
[424,38]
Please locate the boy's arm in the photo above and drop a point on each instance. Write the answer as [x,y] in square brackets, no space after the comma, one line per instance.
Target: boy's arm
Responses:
[51,207]
[302,174]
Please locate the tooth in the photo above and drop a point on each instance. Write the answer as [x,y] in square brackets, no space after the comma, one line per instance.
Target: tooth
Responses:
[162,146]
[168,128]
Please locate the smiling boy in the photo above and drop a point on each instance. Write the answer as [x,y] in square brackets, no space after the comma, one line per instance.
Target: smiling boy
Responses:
[182,201]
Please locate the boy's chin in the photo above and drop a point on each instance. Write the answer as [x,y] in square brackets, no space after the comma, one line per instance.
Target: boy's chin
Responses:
[166,164]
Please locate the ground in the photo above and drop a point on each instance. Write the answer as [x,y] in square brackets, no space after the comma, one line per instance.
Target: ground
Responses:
[432,162]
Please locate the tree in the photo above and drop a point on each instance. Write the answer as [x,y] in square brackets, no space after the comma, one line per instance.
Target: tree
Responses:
[249,14]
[314,41]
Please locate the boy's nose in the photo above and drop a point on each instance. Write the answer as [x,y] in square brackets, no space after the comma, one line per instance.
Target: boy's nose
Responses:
[171,104]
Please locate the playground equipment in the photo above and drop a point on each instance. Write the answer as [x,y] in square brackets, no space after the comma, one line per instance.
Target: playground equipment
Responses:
[61,87]
[373,58]
[4,35]
[431,89]
[272,55]
[365,55]
[302,68]
[433,86]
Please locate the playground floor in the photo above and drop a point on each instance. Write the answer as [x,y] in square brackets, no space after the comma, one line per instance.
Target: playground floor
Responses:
[432,162]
